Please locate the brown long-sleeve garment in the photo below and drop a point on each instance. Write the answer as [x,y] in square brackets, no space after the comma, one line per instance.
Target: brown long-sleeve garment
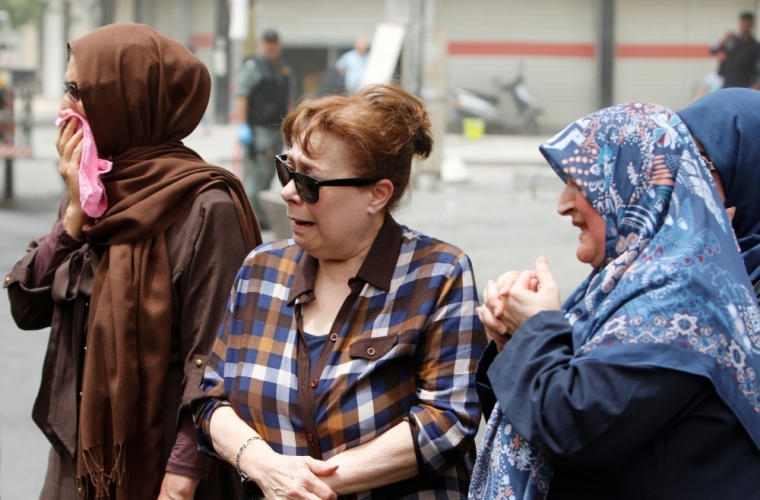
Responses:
[205,248]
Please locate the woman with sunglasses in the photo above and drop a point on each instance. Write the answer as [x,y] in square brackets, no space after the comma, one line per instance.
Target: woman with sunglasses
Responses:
[725,125]
[344,365]
[134,285]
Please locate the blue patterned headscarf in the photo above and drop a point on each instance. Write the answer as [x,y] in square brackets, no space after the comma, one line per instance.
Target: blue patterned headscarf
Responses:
[727,124]
[672,292]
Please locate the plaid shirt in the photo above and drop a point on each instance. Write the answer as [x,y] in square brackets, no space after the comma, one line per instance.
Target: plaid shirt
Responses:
[404,346]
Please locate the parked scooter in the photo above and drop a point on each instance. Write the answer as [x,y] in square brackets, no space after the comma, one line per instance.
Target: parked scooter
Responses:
[495,111]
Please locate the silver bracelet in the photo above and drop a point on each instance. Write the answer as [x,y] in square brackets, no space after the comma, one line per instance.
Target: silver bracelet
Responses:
[240,454]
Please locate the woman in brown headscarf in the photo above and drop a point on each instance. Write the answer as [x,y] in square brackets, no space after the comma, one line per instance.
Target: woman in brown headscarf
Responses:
[133,297]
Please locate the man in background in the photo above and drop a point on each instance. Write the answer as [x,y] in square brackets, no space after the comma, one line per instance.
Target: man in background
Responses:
[352,64]
[262,99]
[741,55]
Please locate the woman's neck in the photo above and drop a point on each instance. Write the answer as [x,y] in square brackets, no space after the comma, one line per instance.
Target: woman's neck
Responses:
[340,271]
[345,268]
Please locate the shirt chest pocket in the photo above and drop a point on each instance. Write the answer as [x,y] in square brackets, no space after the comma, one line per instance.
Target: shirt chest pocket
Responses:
[378,347]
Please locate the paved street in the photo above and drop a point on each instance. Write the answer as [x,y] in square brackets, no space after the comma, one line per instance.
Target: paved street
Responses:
[503,218]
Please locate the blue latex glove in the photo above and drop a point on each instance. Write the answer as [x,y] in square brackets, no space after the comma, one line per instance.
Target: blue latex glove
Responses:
[245,134]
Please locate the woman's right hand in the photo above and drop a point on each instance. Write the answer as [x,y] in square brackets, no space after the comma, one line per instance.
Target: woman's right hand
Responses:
[532,292]
[69,145]
[287,477]
[492,311]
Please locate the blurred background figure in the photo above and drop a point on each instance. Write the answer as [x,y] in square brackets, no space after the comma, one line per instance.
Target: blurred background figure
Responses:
[352,64]
[262,99]
[741,55]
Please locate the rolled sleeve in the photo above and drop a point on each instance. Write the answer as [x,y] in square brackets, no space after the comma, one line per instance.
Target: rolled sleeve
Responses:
[202,418]
[29,283]
[31,308]
[446,419]
[51,252]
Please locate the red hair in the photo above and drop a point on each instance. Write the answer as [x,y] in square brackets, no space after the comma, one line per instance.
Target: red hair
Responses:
[384,125]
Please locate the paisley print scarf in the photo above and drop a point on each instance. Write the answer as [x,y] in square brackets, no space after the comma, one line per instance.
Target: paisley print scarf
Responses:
[673,291]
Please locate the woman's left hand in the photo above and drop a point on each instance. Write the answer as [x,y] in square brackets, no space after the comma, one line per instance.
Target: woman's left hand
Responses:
[532,292]
[177,487]
[491,311]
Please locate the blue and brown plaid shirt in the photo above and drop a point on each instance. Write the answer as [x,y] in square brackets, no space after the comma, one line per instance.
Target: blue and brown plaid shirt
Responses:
[404,346]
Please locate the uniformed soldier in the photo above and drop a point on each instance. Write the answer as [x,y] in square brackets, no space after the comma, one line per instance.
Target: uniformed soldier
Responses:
[262,99]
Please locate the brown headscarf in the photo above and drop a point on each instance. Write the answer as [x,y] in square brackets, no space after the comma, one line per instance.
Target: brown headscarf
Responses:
[142,93]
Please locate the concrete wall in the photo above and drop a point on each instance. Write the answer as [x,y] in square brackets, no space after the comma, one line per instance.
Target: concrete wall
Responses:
[672,39]
[562,78]
[319,22]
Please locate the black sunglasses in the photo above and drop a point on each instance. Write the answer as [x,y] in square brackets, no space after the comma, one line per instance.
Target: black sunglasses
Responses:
[72,90]
[307,186]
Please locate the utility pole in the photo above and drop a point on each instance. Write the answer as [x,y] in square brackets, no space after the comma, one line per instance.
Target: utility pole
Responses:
[413,59]
[141,12]
[107,14]
[221,63]
[433,84]
[606,52]
[54,40]
[66,5]
[423,72]
[410,12]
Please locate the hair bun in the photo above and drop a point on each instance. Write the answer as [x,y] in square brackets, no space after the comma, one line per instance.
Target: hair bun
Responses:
[419,126]
[423,139]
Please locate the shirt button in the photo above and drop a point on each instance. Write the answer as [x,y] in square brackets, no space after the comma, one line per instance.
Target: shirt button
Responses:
[198,363]
[371,351]
[87,304]
[85,348]
[80,394]
[310,438]
[333,337]
[7,279]
[313,383]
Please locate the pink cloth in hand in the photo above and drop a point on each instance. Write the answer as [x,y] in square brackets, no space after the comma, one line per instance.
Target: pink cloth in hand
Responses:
[92,193]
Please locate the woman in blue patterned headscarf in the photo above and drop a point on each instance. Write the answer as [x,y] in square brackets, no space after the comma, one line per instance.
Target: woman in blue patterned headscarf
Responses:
[646,384]
[726,125]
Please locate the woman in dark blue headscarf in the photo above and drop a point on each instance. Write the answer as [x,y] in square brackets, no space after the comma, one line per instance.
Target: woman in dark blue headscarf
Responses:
[726,125]
[647,383]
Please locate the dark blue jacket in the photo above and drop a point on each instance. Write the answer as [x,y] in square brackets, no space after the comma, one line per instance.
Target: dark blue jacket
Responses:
[617,432]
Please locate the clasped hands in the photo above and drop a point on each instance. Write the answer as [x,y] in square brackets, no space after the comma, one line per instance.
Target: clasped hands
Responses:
[515,297]
[290,477]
